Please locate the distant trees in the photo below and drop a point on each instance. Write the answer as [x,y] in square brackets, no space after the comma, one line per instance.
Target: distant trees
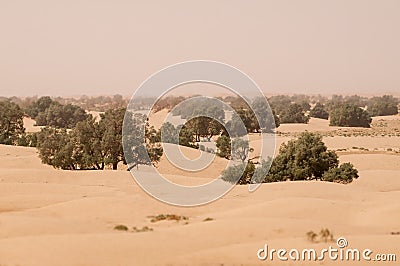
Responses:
[385,105]
[348,115]
[38,106]
[294,113]
[338,100]
[47,112]
[319,111]
[168,103]
[244,120]
[11,123]
[61,116]
[181,135]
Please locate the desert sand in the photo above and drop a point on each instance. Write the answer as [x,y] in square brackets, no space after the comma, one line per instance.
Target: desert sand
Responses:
[55,217]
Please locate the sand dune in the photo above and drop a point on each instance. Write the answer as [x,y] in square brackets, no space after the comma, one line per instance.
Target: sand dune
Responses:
[53,217]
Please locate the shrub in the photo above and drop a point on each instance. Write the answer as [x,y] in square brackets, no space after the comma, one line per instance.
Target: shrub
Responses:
[169,217]
[343,174]
[121,227]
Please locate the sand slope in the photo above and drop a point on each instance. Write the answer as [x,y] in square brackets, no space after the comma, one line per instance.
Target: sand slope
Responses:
[53,217]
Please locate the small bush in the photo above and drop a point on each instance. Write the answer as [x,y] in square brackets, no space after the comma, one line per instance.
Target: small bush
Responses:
[121,227]
[143,229]
[343,174]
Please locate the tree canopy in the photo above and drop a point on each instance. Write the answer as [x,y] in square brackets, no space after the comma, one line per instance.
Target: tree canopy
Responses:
[348,115]
[305,158]
[319,111]
[11,123]
[385,105]
[294,113]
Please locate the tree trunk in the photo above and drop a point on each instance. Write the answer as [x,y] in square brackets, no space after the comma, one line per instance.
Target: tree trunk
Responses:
[115,165]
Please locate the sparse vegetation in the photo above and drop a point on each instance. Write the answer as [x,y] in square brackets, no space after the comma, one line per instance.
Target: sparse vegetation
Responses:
[143,229]
[325,235]
[168,217]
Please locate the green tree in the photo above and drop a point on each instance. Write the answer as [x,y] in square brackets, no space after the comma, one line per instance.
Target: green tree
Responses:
[88,139]
[294,113]
[268,119]
[186,137]
[38,106]
[61,116]
[140,146]
[235,125]
[319,112]
[11,123]
[240,149]
[111,124]
[302,159]
[385,105]
[57,149]
[169,134]
[240,174]
[348,115]
[223,144]
[204,116]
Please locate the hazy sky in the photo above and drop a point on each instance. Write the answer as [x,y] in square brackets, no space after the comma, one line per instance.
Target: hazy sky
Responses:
[96,47]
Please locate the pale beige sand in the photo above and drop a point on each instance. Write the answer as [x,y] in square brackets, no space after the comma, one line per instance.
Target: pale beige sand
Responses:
[54,217]
[315,124]
[30,125]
